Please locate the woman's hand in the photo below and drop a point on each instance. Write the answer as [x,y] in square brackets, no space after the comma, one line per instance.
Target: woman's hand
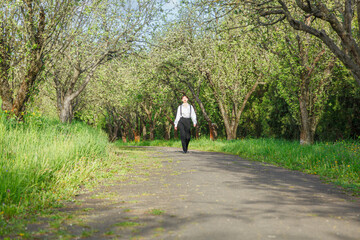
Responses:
[176,128]
[194,125]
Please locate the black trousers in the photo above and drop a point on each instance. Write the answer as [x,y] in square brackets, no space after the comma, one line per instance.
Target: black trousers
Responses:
[184,126]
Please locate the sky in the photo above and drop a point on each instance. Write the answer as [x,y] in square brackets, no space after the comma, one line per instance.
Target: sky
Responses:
[171,6]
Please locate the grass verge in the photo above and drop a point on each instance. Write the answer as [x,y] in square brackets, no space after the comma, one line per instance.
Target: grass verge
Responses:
[43,162]
[337,162]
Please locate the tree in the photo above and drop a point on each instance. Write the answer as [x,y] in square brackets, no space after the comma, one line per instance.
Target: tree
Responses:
[177,68]
[114,123]
[110,29]
[114,96]
[28,30]
[343,18]
[152,104]
[233,77]
[127,98]
[233,65]
[305,72]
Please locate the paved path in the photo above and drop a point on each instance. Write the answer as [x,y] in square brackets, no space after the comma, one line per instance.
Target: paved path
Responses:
[206,196]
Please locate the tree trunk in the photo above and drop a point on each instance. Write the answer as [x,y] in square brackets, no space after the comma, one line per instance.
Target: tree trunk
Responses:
[66,113]
[229,128]
[6,96]
[5,89]
[151,130]
[231,133]
[167,130]
[66,95]
[113,130]
[306,136]
[123,131]
[213,132]
[197,132]
[26,86]
[308,125]
[144,132]
[231,118]
[137,136]
[173,125]
[308,114]
[34,59]
[113,127]
[151,120]
[228,133]
[224,114]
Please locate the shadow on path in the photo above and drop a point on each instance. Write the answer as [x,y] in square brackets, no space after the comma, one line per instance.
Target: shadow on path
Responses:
[204,195]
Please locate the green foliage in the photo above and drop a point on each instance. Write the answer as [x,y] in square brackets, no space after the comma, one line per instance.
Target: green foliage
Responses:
[43,162]
[142,90]
[126,224]
[156,212]
[341,114]
[269,116]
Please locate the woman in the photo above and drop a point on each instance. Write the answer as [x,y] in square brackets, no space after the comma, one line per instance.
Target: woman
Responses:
[185,112]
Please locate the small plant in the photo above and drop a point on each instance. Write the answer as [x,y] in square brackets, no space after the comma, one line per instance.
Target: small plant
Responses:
[126,224]
[88,209]
[156,212]
[108,233]
[88,233]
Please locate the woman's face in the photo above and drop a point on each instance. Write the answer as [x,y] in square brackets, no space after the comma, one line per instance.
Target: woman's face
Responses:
[184,99]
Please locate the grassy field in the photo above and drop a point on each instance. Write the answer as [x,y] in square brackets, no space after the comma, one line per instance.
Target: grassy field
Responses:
[43,162]
[337,162]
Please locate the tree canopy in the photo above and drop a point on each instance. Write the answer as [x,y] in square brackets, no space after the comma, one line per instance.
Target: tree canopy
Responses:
[255,68]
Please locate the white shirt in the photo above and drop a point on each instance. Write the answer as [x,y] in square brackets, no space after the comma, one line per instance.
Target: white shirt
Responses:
[185,113]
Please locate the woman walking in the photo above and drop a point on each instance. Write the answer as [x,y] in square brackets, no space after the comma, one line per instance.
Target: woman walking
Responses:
[185,112]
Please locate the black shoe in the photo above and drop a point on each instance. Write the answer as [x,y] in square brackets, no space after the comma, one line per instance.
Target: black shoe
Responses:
[184,152]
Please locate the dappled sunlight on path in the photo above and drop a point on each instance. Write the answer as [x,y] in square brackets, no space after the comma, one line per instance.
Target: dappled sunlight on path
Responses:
[204,195]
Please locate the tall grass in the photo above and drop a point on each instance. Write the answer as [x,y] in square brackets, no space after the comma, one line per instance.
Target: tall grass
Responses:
[43,161]
[338,162]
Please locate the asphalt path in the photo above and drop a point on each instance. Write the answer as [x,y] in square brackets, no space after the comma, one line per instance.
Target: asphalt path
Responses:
[226,197]
[202,195]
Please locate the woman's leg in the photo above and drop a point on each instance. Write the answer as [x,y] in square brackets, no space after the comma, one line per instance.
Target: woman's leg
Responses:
[187,143]
[187,124]
[182,135]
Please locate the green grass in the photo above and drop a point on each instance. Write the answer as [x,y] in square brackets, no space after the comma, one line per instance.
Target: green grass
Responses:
[156,212]
[126,224]
[43,162]
[337,162]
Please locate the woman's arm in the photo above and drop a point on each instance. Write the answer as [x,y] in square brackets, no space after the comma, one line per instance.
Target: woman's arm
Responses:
[177,118]
[193,116]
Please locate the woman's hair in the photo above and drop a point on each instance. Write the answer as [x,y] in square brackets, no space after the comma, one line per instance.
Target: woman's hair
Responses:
[184,96]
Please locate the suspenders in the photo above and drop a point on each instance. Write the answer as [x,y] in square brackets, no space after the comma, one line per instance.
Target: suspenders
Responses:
[181,110]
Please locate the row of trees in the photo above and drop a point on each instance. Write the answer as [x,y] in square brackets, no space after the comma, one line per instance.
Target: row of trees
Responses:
[64,42]
[258,68]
